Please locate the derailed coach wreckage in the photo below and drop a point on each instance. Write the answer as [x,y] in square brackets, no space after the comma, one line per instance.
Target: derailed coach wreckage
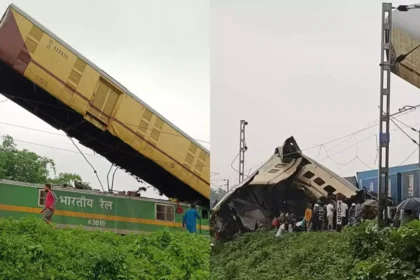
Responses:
[287,181]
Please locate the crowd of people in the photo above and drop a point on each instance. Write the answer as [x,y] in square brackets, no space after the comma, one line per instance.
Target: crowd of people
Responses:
[318,217]
[323,217]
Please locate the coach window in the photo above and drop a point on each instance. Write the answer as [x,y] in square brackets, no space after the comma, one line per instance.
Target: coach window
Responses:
[165,212]
[319,181]
[41,197]
[329,189]
[308,175]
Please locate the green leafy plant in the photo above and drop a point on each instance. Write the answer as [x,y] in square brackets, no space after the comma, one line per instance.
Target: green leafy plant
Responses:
[358,253]
[31,249]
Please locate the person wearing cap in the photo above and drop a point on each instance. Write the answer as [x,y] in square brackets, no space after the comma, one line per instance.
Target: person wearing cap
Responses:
[189,221]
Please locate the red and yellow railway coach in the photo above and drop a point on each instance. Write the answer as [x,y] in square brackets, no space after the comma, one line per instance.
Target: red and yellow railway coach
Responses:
[47,77]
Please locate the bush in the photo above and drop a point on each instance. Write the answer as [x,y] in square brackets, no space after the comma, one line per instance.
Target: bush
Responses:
[31,249]
[358,253]
[314,255]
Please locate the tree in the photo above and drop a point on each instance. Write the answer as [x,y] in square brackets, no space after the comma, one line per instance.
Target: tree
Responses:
[66,178]
[216,194]
[27,166]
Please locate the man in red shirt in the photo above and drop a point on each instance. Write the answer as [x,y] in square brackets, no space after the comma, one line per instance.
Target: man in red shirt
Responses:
[50,201]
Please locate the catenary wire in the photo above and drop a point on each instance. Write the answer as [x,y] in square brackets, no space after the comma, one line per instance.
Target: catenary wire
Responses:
[94,170]
[319,145]
[109,146]
[415,150]
[70,110]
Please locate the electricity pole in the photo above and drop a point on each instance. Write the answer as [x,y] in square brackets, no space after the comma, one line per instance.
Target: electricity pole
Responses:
[385,104]
[384,116]
[242,149]
[227,185]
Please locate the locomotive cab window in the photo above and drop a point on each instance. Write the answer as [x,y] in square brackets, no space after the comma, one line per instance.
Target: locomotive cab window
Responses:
[205,214]
[41,197]
[165,212]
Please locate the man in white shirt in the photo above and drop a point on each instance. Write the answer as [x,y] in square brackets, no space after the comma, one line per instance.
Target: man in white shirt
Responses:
[330,215]
[344,210]
[281,230]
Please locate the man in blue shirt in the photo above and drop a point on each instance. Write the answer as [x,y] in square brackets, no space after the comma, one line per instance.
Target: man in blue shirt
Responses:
[190,219]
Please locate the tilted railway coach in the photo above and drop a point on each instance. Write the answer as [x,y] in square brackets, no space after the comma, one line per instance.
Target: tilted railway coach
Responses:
[50,79]
[93,210]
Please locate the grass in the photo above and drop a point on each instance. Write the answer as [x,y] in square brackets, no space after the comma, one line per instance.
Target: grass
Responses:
[31,249]
[357,253]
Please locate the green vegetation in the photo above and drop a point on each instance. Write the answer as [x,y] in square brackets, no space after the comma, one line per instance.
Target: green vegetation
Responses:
[216,194]
[358,253]
[27,166]
[31,249]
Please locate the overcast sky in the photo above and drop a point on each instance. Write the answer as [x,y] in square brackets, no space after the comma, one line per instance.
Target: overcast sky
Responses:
[158,49]
[308,69]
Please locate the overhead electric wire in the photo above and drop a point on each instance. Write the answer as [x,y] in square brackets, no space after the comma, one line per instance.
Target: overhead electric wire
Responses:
[94,170]
[316,146]
[401,57]
[51,147]
[92,155]
[348,147]
[213,174]
[319,152]
[109,146]
[231,164]
[113,177]
[406,125]
[354,144]
[405,133]
[338,163]
[417,144]
[62,149]
[362,162]
[401,113]
[214,185]
[33,129]
[70,110]
[345,138]
[107,176]
[364,139]
[415,150]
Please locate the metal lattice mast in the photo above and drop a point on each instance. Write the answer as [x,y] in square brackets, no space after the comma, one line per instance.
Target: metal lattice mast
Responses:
[242,149]
[384,106]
